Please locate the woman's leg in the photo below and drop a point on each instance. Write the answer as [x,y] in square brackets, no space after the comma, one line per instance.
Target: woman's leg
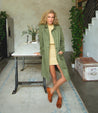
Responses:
[58,82]
[54,78]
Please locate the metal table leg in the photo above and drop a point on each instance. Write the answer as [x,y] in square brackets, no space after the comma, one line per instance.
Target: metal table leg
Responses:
[23,62]
[44,84]
[16,75]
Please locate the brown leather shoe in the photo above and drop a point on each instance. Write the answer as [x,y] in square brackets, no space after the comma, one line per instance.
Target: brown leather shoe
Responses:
[49,94]
[59,102]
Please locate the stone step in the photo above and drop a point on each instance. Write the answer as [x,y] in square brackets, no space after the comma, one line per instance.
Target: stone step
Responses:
[97,14]
[86,31]
[90,26]
[94,20]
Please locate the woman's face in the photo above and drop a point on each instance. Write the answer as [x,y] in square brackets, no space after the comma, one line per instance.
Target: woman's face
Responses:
[50,18]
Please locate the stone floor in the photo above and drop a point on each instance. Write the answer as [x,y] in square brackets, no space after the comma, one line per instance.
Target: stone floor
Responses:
[88,91]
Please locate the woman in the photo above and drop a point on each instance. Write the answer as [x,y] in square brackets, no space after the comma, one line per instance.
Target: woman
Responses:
[52,49]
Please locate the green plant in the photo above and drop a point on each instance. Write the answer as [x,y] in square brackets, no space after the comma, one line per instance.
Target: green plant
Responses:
[73,0]
[73,58]
[77,29]
[3,17]
[31,31]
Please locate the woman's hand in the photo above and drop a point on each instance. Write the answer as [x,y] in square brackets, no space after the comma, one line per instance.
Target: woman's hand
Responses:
[60,52]
[37,53]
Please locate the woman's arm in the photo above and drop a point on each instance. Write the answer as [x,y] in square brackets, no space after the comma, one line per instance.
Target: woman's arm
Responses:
[41,40]
[62,48]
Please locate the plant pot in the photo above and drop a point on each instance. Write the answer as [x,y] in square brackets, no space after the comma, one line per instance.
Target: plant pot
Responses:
[73,65]
[34,38]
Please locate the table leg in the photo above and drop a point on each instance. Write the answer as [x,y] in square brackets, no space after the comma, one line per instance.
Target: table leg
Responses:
[16,75]
[44,84]
[23,62]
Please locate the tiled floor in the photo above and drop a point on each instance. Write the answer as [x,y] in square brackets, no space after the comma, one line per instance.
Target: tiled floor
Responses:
[87,90]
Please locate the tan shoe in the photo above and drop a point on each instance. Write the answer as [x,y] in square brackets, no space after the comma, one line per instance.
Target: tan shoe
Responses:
[49,94]
[59,102]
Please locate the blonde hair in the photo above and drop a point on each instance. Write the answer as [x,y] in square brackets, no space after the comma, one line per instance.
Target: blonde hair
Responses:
[44,17]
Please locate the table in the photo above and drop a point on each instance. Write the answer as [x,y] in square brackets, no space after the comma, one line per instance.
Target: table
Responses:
[26,50]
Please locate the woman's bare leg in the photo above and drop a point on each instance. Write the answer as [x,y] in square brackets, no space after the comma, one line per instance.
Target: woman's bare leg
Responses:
[58,82]
[54,78]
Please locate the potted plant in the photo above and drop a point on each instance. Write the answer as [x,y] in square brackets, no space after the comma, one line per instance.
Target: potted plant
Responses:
[77,28]
[73,57]
[3,16]
[31,31]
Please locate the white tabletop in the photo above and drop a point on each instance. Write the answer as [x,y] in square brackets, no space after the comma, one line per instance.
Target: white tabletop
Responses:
[27,49]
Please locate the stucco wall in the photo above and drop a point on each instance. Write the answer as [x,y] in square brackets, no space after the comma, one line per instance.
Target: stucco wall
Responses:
[28,12]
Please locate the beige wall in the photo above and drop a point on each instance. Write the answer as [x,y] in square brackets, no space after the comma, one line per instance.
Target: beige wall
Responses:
[28,12]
